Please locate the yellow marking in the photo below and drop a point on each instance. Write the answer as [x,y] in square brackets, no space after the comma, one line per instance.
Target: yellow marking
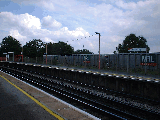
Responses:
[122,75]
[40,104]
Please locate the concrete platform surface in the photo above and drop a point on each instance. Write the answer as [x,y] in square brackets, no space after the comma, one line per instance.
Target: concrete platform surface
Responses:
[15,105]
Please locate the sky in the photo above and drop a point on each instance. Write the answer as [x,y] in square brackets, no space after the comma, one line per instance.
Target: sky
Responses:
[76,21]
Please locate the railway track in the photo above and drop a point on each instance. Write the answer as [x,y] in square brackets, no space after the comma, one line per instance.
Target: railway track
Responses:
[84,97]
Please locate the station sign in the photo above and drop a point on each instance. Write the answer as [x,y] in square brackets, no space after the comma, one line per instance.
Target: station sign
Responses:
[136,49]
[86,58]
[149,60]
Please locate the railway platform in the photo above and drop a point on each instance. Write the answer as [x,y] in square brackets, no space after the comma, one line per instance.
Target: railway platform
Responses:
[87,87]
[137,85]
[21,101]
[15,105]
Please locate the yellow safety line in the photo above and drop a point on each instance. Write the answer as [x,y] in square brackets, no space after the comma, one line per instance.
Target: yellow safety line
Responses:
[43,106]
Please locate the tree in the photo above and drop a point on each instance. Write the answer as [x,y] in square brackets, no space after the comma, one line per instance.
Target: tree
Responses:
[84,51]
[10,44]
[50,47]
[131,41]
[37,48]
[60,48]
[34,48]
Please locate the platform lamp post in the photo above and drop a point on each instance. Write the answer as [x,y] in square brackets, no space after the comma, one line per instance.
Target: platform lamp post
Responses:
[22,52]
[146,60]
[99,49]
[46,53]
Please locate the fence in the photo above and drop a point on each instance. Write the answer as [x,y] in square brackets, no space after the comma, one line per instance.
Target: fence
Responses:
[124,62]
[127,62]
[38,60]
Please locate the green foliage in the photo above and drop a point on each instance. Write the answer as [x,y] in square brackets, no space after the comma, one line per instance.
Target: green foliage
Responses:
[84,51]
[10,44]
[60,48]
[131,41]
[50,48]
[34,48]
[114,52]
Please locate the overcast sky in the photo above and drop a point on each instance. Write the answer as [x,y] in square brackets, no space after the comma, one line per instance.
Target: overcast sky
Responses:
[76,21]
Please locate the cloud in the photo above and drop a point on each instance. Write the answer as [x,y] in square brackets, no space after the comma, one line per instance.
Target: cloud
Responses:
[30,21]
[48,5]
[49,22]
[47,40]
[65,32]
[122,4]
[17,35]
[25,27]
[10,20]
[77,19]
[52,5]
